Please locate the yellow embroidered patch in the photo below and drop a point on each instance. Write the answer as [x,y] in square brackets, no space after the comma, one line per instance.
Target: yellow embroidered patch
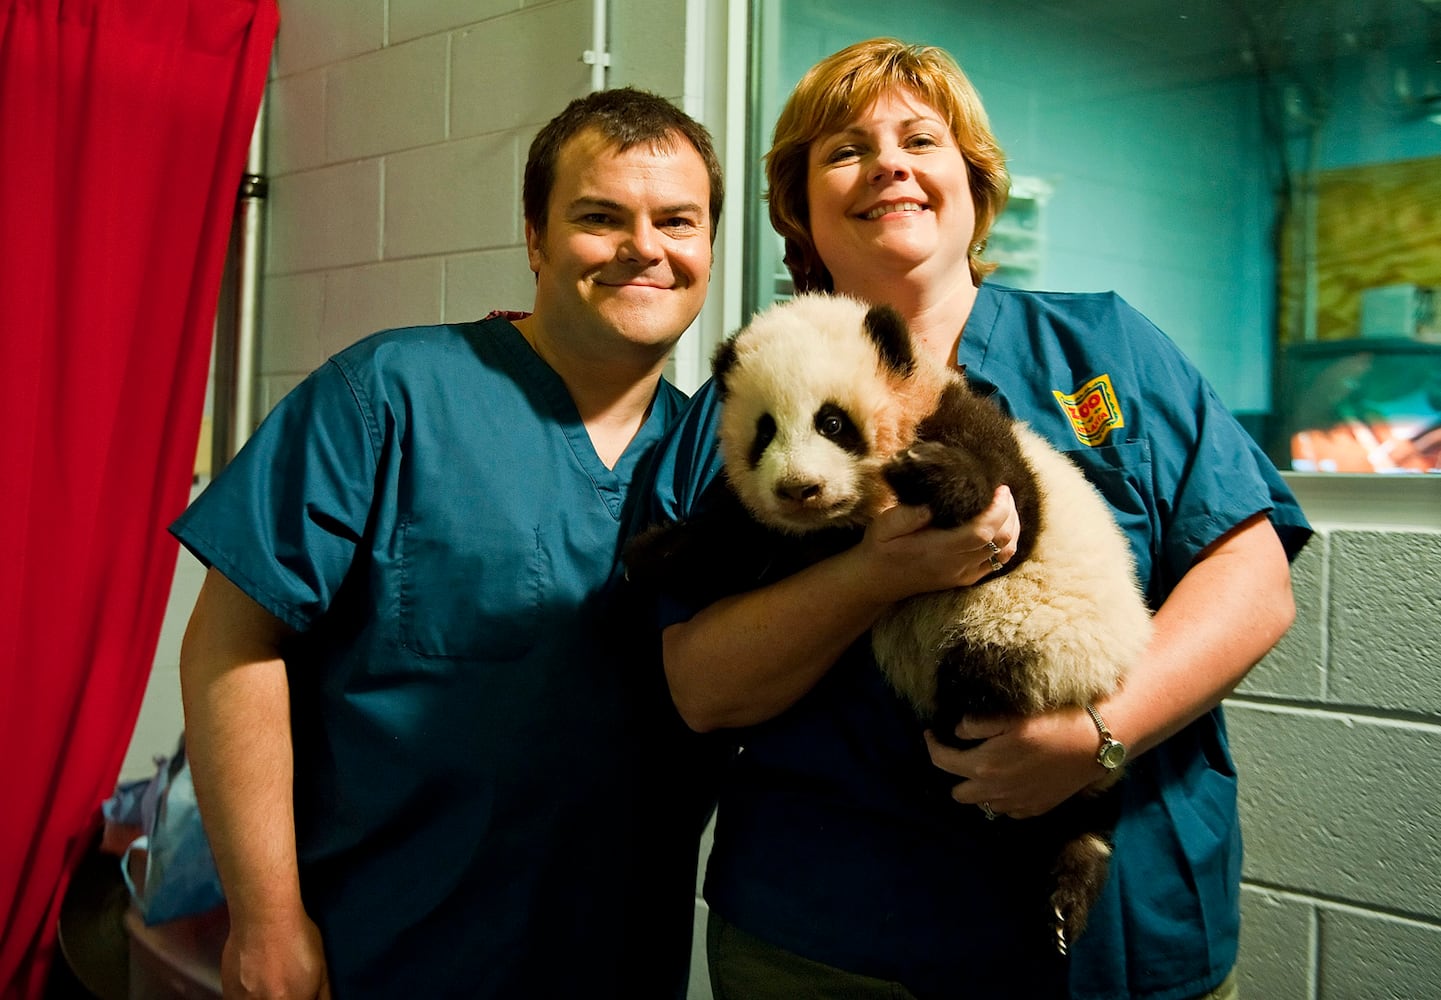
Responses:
[1092,409]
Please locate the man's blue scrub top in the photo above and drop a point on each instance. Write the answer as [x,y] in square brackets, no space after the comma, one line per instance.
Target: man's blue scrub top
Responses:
[827,843]
[474,744]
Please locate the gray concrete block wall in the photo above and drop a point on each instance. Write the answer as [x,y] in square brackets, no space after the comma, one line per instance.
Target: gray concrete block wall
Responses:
[1337,734]
[396,136]
[161,717]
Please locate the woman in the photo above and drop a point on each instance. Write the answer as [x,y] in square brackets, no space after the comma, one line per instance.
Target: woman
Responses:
[834,873]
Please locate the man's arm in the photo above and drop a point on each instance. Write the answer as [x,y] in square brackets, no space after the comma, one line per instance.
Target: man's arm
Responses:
[237,739]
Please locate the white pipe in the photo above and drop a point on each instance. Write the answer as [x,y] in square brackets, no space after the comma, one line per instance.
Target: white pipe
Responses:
[596,56]
[237,318]
[250,219]
[714,93]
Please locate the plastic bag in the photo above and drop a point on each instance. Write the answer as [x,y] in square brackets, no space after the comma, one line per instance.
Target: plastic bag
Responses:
[180,876]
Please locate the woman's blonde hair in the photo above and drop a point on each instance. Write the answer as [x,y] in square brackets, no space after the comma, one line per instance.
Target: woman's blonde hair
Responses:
[843,85]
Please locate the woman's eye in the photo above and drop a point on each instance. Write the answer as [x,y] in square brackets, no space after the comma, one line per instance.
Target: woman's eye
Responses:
[841,153]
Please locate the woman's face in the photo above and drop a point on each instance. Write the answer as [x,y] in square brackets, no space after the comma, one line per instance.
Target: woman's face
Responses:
[890,196]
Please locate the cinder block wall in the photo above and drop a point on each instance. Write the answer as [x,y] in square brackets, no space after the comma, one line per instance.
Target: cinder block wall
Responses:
[397,137]
[1337,734]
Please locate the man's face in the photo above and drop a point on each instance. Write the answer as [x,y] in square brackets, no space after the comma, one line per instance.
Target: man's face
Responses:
[626,253]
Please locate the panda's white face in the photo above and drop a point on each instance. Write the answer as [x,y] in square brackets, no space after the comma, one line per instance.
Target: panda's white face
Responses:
[804,426]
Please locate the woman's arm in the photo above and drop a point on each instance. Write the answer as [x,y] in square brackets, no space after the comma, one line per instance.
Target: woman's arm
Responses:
[1228,610]
[746,658]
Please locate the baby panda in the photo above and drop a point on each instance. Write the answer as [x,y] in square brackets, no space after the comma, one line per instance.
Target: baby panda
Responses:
[828,415]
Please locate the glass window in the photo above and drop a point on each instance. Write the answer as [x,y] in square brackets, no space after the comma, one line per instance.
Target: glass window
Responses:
[1261,180]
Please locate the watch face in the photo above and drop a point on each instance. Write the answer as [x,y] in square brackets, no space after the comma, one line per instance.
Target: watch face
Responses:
[1112,755]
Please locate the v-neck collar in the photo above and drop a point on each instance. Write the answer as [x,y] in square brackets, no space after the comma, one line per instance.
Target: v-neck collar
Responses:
[609,482]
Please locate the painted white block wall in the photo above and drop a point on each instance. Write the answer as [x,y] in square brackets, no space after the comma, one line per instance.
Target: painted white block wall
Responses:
[1337,735]
[397,135]
[161,719]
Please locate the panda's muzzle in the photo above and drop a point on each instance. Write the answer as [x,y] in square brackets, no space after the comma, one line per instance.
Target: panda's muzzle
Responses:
[798,492]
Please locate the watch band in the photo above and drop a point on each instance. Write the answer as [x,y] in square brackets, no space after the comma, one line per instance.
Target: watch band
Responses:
[1100,722]
[1112,753]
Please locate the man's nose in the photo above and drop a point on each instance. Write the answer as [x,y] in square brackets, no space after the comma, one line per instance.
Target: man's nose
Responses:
[642,243]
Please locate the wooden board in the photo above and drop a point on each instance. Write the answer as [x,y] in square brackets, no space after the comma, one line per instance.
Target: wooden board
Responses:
[1375,225]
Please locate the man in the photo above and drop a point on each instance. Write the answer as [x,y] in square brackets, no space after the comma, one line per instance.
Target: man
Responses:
[425,756]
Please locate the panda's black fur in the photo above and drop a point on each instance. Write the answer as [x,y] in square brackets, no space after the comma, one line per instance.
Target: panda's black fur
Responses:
[828,416]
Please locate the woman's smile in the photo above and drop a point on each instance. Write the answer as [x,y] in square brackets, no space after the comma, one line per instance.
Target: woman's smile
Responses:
[889,197]
[887,208]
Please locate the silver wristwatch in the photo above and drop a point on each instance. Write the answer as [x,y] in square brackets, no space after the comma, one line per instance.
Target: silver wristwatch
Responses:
[1113,752]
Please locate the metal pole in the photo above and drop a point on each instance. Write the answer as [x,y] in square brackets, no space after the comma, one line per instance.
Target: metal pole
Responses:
[238,324]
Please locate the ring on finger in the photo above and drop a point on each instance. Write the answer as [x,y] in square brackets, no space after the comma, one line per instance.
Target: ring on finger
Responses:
[987,811]
[993,552]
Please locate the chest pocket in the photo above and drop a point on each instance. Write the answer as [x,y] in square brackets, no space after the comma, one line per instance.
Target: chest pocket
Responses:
[475,595]
[1123,474]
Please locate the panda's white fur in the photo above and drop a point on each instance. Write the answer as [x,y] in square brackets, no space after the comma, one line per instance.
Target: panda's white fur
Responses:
[1061,626]
[1072,605]
[788,362]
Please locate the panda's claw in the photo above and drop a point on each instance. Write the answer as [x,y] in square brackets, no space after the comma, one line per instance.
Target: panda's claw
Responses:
[947,479]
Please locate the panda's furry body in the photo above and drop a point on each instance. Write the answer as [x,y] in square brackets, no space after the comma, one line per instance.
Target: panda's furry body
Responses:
[828,415]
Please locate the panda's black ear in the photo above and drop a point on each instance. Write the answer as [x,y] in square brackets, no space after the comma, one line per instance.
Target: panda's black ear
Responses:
[892,338]
[722,362]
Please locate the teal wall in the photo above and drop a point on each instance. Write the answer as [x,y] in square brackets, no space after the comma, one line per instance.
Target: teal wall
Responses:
[1162,188]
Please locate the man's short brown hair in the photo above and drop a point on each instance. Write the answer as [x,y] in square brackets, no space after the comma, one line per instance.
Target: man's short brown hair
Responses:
[626,117]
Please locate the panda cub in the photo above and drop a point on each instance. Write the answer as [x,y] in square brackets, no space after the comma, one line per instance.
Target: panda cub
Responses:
[828,416]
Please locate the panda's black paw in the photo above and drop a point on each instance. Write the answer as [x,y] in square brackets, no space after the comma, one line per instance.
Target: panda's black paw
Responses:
[1080,872]
[946,479]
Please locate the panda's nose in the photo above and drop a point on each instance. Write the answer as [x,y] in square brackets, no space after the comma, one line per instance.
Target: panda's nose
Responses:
[798,490]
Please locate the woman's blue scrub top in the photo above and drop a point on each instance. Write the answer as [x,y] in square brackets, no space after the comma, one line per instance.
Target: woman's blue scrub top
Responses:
[475,742]
[829,841]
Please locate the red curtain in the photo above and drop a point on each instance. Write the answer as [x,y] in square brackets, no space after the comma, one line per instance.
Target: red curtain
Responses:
[124,126]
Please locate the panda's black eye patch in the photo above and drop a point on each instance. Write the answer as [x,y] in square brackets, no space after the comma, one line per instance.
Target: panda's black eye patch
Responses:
[835,425]
[765,434]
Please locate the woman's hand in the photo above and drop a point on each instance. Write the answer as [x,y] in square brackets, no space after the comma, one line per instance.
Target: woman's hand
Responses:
[1227,611]
[909,557]
[748,657]
[1024,765]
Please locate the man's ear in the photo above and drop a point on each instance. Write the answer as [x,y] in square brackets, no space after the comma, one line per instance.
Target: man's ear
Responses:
[534,246]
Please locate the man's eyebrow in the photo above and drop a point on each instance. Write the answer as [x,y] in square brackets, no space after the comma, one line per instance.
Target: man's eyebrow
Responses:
[682,208]
[587,203]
